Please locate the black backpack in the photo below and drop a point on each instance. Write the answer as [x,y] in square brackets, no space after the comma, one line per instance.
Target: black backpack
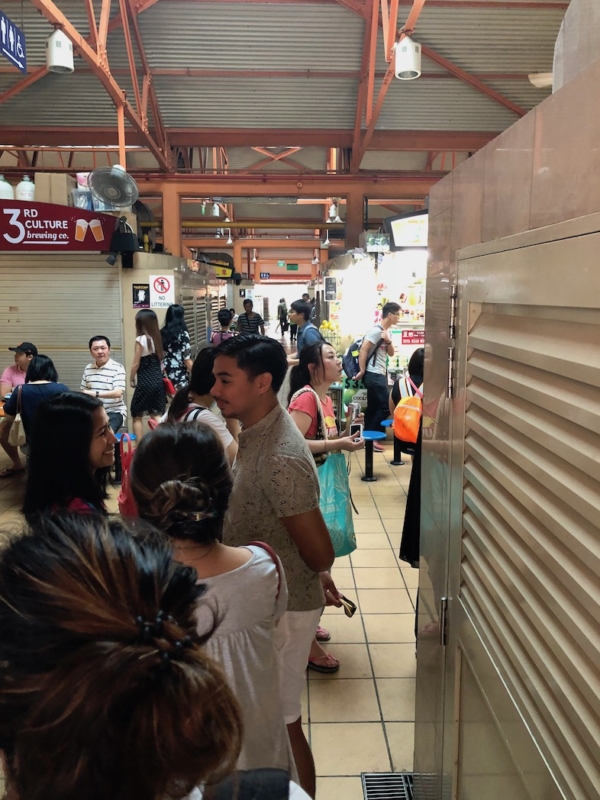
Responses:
[350,363]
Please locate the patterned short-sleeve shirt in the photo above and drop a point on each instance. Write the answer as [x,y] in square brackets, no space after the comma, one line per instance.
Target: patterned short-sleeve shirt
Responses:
[275,477]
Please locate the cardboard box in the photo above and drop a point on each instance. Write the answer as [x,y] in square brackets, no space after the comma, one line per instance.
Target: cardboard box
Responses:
[53,187]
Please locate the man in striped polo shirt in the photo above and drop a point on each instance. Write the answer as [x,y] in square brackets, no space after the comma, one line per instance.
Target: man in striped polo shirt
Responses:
[250,321]
[105,378]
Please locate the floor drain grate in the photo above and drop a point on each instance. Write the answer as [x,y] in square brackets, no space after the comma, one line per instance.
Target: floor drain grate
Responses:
[387,785]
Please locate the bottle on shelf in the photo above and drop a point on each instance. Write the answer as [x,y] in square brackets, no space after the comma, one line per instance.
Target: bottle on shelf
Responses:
[6,190]
[26,190]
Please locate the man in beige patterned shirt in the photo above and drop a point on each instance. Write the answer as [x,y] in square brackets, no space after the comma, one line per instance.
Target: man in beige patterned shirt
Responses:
[275,499]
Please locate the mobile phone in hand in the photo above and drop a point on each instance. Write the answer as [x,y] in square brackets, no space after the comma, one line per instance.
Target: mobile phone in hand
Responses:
[356,430]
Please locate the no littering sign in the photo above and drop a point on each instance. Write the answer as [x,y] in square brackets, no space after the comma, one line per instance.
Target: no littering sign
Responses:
[162,291]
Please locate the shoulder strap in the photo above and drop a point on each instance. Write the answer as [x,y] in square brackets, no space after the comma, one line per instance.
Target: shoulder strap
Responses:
[19,399]
[417,391]
[321,427]
[267,548]
[187,417]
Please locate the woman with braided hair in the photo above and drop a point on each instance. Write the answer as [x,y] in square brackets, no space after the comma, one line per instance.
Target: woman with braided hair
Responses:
[181,481]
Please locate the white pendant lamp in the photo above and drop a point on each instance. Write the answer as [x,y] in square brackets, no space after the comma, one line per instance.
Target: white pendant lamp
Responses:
[230,240]
[407,59]
[216,210]
[254,259]
[316,257]
[59,53]
[326,243]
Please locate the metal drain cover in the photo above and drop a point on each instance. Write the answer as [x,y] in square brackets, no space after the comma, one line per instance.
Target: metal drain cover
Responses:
[387,785]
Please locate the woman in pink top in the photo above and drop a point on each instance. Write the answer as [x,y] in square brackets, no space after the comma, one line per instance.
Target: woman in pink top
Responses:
[312,410]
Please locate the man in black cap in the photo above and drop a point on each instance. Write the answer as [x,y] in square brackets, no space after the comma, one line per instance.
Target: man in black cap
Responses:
[14,375]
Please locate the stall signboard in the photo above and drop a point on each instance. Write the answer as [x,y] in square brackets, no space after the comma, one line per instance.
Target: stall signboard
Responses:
[281,263]
[330,289]
[265,276]
[162,290]
[12,43]
[292,267]
[46,227]
[413,337]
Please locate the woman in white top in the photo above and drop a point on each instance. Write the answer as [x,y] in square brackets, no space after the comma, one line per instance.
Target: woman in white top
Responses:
[181,482]
[194,403]
[146,371]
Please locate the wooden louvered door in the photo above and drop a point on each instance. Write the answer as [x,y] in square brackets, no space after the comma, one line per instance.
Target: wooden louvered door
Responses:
[523,649]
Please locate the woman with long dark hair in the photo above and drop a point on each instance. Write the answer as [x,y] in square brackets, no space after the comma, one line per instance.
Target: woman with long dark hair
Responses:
[41,383]
[72,449]
[146,371]
[194,403]
[177,361]
[181,482]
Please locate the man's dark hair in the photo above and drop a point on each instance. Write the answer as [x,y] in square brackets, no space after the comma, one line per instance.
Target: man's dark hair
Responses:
[98,339]
[306,294]
[389,308]
[300,307]
[256,355]
[224,316]
[246,301]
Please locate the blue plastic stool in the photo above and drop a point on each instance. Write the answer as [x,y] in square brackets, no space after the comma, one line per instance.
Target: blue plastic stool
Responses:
[118,469]
[397,462]
[370,437]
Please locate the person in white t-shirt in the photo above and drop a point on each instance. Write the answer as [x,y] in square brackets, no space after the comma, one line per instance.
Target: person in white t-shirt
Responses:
[194,403]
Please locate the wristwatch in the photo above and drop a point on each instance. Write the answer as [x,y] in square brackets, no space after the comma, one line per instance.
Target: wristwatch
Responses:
[97,393]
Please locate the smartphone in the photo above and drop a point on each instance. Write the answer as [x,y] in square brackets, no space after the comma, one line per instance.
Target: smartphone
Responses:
[356,430]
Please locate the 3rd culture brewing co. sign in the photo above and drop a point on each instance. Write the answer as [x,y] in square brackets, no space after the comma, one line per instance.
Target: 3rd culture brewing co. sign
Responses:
[49,227]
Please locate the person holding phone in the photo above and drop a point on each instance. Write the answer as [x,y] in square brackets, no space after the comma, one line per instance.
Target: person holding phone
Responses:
[312,410]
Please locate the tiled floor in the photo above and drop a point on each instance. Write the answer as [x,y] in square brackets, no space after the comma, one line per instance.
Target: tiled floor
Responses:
[361,719]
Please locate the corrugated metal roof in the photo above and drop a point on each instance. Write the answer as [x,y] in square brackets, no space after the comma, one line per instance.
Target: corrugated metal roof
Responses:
[243,157]
[441,104]
[257,102]
[384,160]
[252,36]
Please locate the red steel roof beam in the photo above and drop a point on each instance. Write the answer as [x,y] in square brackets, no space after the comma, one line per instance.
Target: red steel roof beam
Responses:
[373,31]
[91,15]
[131,57]
[54,15]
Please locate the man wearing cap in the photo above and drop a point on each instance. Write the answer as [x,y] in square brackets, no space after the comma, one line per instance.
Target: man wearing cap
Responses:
[105,378]
[14,375]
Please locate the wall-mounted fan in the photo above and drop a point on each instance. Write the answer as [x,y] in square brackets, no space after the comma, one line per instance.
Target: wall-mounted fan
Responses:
[113,186]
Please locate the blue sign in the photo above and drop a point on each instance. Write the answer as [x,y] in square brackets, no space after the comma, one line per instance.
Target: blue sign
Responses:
[12,43]
[265,276]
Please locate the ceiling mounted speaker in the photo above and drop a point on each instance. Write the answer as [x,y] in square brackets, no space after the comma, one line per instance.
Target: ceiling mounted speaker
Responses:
[113,186]
[408,59]
[59,53]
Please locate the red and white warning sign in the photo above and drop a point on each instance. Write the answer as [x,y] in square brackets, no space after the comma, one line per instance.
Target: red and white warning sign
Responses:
[162,291]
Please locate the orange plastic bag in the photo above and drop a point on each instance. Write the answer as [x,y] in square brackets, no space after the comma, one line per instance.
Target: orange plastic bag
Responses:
[407,416]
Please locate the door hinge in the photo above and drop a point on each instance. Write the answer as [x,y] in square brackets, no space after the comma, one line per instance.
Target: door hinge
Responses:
[444,621]
[450,386]
[453,308]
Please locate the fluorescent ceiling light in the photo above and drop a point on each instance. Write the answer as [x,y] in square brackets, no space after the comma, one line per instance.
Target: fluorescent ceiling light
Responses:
[541,80]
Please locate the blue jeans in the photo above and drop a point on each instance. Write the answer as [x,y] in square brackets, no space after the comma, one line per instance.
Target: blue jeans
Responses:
[378,393]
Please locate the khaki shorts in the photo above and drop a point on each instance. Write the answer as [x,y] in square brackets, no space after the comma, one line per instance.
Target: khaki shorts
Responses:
[293,638]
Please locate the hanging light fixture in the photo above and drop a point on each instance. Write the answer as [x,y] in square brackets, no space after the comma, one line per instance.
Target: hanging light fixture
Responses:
[59,53]
[227,219]
[230,240]
[254,259]
[216,210]
[316,257]
[407,57]
[333,212]
[218,234]
[326,243]
[203,207]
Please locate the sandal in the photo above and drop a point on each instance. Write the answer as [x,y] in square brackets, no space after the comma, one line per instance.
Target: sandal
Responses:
[322,635]
[326,663]
[10,472]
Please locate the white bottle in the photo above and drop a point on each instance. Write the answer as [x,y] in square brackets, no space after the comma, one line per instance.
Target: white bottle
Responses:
[6,190]
[26,190]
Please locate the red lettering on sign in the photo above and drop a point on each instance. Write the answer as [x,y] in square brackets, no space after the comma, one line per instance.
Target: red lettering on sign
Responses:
[413,337]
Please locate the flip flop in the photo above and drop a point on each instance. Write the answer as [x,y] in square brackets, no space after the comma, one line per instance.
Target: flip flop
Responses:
[10,472]
[322,635]
[326,663]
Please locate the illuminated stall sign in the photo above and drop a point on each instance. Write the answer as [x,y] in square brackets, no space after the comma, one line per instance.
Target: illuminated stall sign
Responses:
[46,227]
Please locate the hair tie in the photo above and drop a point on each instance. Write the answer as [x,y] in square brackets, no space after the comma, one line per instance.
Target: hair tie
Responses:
[153,629]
